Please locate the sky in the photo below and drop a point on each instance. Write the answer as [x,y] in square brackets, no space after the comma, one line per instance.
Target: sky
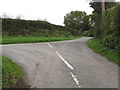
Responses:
[51,10]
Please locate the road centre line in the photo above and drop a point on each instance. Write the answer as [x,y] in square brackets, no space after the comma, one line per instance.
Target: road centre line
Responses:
[75,79]
[50,45]
[70,67]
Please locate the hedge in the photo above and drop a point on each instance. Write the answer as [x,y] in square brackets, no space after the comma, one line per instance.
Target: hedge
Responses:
[110,28]
[17,27]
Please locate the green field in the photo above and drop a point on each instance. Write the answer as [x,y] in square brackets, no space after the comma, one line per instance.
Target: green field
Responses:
[11,73]
[111,54]
[31,39]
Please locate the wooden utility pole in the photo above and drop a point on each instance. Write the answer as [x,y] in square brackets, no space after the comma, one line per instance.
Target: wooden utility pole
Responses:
[103,5]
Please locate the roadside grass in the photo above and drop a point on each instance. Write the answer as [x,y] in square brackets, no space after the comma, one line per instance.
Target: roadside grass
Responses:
[11,73]
[31,39]
[111,54]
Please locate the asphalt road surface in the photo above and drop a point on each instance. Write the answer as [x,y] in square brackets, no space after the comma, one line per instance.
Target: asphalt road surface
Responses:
[63,64]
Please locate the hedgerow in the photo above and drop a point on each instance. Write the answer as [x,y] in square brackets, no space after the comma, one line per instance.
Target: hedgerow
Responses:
[17,27]
[110,29]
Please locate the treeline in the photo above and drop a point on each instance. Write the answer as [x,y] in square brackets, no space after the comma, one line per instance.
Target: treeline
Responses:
[18,27]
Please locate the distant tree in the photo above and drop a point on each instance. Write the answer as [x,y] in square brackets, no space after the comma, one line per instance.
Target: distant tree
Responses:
[77,20]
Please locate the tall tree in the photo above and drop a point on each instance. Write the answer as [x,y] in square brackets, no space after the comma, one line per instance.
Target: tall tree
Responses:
[77,20]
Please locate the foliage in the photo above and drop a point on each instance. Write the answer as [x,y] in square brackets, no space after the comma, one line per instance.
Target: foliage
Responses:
[97,15]
[17,27]
[89,33]
[11,73]
[31,39]
[77,20]
[96,6]
[106,26]
[110,29]
[110,4]
[101,49]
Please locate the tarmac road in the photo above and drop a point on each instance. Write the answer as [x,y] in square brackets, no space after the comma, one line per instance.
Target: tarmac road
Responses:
[63,64]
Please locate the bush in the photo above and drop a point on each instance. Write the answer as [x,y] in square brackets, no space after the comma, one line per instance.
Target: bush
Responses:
[110,29]
[89,33]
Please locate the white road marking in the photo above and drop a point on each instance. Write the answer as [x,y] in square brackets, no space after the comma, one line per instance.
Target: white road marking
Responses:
[22,44]
[75,79]
[70,68]
[68,65]
[50,45]
[15,44]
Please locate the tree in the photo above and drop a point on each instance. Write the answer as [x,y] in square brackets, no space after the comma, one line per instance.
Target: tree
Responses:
[77,20]
[99,8]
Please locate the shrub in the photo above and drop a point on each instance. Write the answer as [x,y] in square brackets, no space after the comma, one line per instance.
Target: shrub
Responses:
[110,29]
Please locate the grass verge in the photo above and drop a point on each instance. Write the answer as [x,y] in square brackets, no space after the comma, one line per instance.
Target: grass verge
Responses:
[11,73]
[111,54]
[31,39]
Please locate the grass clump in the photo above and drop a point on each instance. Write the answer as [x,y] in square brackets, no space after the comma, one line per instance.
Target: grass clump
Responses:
[11,73]
[98,47]
[31,39]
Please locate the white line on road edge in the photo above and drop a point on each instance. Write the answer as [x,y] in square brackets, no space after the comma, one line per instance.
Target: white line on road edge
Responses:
[15,44]
[68,65]
[50,45]
[23,44]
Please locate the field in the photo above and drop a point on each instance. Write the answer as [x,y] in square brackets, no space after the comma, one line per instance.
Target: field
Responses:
[111,54]
[31,39]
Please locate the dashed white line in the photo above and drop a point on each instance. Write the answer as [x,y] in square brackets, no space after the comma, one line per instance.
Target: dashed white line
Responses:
[68,65]
[70,68]
[50,45]
[75,79]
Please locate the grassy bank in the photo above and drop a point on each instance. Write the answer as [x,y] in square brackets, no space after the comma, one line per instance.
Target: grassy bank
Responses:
[99,48]
[31,39]
[11,73]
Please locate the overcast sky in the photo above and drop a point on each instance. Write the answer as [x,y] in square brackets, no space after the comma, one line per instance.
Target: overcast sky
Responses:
[51,10]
